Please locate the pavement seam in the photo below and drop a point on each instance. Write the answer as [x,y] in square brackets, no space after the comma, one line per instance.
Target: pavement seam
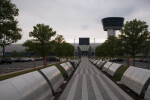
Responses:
[81,71]
[98,94]
[73,89]
[126,96]
[84,88]
[107,89]
[87,72]
[92,71]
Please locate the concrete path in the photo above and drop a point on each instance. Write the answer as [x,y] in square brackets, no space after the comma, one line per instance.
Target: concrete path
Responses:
[88,83]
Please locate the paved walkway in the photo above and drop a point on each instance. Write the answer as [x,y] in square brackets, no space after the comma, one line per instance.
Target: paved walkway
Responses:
[88,83]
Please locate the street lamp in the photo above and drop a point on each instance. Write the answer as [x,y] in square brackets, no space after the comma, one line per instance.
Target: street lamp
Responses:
[127,55]
[94,48]
[74,48]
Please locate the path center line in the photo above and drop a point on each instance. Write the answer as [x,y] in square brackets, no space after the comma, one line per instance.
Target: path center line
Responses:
[109,92]
[84,88]
[73,89]
[95,88]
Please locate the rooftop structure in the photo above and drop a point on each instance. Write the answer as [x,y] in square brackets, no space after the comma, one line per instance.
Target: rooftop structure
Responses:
[84,48]
[111,24]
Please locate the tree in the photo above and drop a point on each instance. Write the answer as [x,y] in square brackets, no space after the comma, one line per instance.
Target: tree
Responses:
[146,50]
[110,48]
[15,53]
[41,43]
[101,51]
[67,50]
[62,48]
[114,46]
[9,31]
[58,45]
[134,35]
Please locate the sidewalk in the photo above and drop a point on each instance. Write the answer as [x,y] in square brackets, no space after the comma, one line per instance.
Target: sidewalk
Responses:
[88,83]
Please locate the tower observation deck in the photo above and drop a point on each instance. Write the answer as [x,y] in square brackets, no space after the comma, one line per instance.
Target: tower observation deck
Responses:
[111,24]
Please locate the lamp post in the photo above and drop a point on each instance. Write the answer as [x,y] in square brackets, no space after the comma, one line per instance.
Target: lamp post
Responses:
[3,45]
[94,48]
[127,55]
[74,48]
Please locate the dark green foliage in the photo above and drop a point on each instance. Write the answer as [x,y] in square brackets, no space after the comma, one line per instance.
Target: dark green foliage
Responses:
[135,36]
[58,45]
[118,75]
[15,54]
[110,48]
[9,31]
[62,48]
[68,50]
[41,44]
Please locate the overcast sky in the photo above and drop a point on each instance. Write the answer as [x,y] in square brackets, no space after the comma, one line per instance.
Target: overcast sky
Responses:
[78,18]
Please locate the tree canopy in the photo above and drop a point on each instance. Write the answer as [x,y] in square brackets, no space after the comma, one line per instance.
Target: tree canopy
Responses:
[9,31]
[135,37]
[62,48]
[67,50]
[110,48]
[41,43]
[58,45]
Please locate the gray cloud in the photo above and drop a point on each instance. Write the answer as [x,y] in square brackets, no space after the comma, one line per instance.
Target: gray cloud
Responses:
[84,27]
[72,18]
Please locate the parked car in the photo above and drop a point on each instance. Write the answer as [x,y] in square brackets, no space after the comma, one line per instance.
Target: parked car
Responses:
[17,60]
[32,59]
[137,59]
[38,59]
[13,59]
[146,60]
[141,60]
[117,60]
[50,59]
[6,61]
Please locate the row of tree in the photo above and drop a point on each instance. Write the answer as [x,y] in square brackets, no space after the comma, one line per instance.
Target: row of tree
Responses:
[40,44]
[134,39]
[43,45]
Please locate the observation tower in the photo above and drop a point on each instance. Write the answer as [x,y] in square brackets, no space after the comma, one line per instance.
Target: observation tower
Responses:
[111,24]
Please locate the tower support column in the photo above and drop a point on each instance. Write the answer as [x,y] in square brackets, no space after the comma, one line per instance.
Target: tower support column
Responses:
[111,32]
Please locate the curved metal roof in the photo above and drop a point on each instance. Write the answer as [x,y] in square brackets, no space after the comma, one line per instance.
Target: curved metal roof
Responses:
[112,23]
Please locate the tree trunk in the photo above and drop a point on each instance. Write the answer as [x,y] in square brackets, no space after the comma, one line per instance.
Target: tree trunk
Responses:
[148,62]
[3,51]
[43,61]
[59,59]
[67,58]
[128,60]
[133,60]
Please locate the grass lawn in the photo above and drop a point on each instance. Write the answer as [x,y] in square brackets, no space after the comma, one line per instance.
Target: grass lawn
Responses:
[31,70]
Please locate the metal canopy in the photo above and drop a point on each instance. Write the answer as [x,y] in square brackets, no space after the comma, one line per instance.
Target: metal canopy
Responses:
[106,66]
[54,76]
[67,68]
[113,68]
[30,86]
[84,47]
[100,64]
[136,79]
